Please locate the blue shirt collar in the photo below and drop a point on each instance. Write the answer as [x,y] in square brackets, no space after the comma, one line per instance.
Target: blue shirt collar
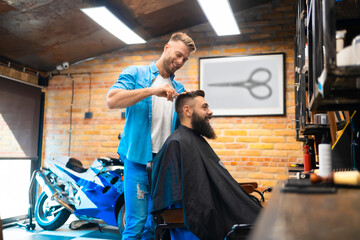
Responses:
[154,69]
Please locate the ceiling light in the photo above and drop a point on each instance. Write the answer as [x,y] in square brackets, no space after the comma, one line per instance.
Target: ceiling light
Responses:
[107,20]
[220,16]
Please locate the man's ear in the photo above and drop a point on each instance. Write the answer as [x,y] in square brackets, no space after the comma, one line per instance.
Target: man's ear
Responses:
[167,46]
[187,110]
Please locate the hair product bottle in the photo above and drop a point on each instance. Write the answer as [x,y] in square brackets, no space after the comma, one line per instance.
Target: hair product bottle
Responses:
[325,166]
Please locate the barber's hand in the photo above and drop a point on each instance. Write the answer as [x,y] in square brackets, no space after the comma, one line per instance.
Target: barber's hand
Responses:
[166,91]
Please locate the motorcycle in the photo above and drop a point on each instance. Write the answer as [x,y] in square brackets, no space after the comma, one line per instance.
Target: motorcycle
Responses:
[94,194]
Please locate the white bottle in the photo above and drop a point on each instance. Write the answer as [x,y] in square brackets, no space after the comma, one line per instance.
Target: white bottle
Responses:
[325,165]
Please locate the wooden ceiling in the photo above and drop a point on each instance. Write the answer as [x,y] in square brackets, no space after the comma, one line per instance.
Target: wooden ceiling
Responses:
[40,34]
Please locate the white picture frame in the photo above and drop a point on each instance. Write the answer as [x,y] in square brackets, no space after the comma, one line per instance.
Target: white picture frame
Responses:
[248,85]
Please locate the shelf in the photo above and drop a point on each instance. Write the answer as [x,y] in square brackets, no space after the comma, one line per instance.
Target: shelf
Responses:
[321,86]
[340,89]
[313,129]
[296,169]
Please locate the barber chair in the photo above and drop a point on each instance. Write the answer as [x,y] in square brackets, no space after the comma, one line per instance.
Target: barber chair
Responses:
[174,218]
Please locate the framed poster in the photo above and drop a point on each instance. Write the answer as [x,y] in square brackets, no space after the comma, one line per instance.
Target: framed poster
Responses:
[249,85]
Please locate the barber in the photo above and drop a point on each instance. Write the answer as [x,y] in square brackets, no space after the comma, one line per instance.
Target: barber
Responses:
[147,93]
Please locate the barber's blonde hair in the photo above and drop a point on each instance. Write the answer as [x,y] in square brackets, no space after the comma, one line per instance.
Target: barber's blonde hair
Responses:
[180,36]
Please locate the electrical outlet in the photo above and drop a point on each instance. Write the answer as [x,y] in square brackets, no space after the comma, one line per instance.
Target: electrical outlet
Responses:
[88,115]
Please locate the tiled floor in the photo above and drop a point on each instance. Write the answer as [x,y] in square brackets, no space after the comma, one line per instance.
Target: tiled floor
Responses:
[63,233]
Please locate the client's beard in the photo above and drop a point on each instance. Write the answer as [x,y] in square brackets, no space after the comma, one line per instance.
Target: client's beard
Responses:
[202,127]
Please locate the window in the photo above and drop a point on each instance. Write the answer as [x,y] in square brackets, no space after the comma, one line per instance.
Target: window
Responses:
[21,108]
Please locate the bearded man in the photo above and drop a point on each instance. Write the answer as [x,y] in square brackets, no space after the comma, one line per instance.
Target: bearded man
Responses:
[188,174]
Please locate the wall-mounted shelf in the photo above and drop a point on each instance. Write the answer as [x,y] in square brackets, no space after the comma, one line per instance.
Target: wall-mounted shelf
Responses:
[313,129]
[340,91]
[321,85]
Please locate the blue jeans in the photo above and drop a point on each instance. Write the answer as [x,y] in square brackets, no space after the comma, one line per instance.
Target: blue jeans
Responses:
[182,234]
[139,222]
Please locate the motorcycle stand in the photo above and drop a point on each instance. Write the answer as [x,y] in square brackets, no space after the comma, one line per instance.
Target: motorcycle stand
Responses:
[30,216]
[29,226]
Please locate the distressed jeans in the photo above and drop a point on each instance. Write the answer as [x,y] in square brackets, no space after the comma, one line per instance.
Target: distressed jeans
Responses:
[139,221]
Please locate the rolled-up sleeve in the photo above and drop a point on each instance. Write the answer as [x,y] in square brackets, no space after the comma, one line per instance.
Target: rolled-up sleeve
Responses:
[126,80]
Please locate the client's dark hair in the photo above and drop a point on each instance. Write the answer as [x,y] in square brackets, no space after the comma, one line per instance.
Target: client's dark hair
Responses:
[183,99]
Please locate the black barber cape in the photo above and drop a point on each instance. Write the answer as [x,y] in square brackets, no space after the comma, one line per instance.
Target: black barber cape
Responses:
[212,200]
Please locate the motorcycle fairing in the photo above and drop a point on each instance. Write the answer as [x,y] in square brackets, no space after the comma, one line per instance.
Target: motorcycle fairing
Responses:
[99,192]
[103,197]
[89,175]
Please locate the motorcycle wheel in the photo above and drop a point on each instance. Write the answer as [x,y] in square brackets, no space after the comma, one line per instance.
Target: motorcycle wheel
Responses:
[43,213]
[121,219]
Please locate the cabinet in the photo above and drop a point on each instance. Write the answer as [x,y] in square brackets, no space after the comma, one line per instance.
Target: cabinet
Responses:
[322,84]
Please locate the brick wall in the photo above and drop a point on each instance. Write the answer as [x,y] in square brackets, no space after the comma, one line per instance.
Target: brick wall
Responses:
[252,148]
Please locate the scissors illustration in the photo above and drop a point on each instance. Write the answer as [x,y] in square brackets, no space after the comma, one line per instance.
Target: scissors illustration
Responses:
[258,78]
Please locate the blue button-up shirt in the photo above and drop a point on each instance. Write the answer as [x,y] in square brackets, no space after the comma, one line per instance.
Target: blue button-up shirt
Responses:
[135,144]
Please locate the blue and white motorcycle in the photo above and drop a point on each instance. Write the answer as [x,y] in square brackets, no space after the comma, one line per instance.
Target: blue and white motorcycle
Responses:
[94,195]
